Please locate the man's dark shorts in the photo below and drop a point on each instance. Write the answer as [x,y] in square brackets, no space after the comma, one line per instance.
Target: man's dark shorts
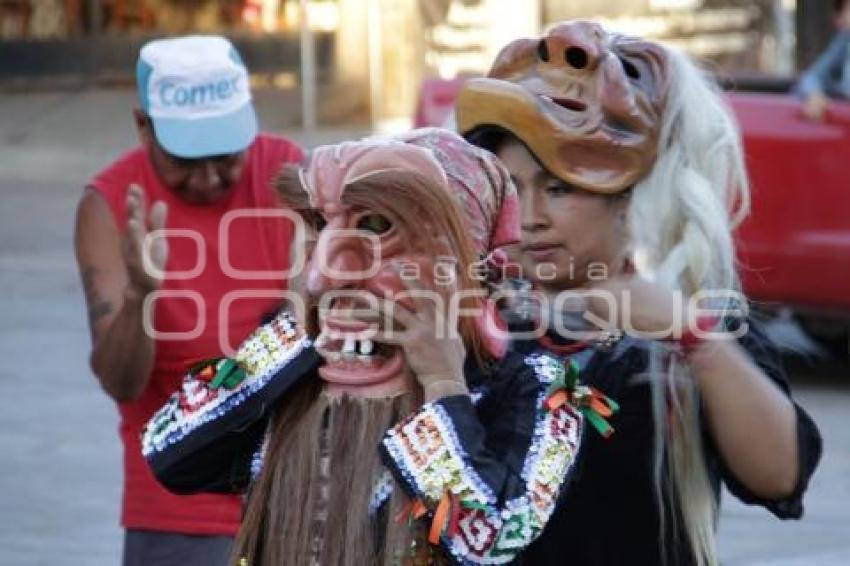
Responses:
[152,548]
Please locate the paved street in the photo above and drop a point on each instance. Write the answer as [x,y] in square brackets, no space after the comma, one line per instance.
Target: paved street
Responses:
[59,477]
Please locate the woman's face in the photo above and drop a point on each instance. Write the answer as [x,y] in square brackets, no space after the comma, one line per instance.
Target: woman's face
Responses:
[570,237]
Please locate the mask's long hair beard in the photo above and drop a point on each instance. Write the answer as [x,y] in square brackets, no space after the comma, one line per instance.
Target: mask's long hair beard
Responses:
[310,504]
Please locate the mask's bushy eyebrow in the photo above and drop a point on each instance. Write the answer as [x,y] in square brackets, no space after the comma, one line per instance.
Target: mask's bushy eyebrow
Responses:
[291,192]
[374,194]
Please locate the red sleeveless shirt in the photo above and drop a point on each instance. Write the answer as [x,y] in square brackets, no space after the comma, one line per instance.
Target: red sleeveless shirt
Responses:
[214,295]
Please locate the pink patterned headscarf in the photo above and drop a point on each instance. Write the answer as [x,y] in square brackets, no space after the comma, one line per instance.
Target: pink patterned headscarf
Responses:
[479,182]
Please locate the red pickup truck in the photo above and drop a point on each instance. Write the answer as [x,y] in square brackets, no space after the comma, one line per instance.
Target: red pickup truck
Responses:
[795,245]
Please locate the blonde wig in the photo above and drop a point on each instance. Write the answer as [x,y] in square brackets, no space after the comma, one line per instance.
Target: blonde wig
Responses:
[681,219]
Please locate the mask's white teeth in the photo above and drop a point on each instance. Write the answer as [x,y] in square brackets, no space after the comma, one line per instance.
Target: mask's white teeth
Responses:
[333,357]
[547,98]
[367,347]
[349,346]
[321,340]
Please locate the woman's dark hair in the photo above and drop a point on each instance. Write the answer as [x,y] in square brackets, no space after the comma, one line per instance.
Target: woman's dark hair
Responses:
[491,138]
[838,5]
[494,138]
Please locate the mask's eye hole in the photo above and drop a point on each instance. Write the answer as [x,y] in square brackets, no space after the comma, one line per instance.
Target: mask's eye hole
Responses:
[630,70]
[543,51]
[374,223]
[576,57]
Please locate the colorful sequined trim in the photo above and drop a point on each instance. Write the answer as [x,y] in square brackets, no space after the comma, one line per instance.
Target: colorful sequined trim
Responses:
[427,452]
[544,469]
[261,356]
[384,486]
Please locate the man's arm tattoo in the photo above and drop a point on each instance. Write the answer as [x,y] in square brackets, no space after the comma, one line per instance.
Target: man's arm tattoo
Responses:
[97,306]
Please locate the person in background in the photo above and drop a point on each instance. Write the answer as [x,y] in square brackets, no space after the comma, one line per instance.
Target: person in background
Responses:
[159,300]
[829,76]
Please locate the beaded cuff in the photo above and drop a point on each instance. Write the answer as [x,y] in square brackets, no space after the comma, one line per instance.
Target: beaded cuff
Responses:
[475,527]
[202,400]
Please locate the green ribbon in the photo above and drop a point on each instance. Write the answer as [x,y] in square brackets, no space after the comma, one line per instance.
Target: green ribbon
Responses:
[228,374]
[571,375]
[471,504]
[600,424]
[613,405]
[567,378]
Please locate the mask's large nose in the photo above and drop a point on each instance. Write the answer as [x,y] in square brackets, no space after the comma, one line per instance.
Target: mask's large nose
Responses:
[576,46]
[341,259]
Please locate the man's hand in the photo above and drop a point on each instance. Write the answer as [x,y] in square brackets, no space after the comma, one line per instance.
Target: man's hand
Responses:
[145,264]
[115,284]
[814,107]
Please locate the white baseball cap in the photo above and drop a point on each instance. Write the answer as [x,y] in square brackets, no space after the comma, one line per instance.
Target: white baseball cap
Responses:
[195,89]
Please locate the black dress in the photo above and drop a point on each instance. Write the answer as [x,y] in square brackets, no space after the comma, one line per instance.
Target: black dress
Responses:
[609,516]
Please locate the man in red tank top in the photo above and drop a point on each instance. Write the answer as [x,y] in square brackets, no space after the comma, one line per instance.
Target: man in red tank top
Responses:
[182,248]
